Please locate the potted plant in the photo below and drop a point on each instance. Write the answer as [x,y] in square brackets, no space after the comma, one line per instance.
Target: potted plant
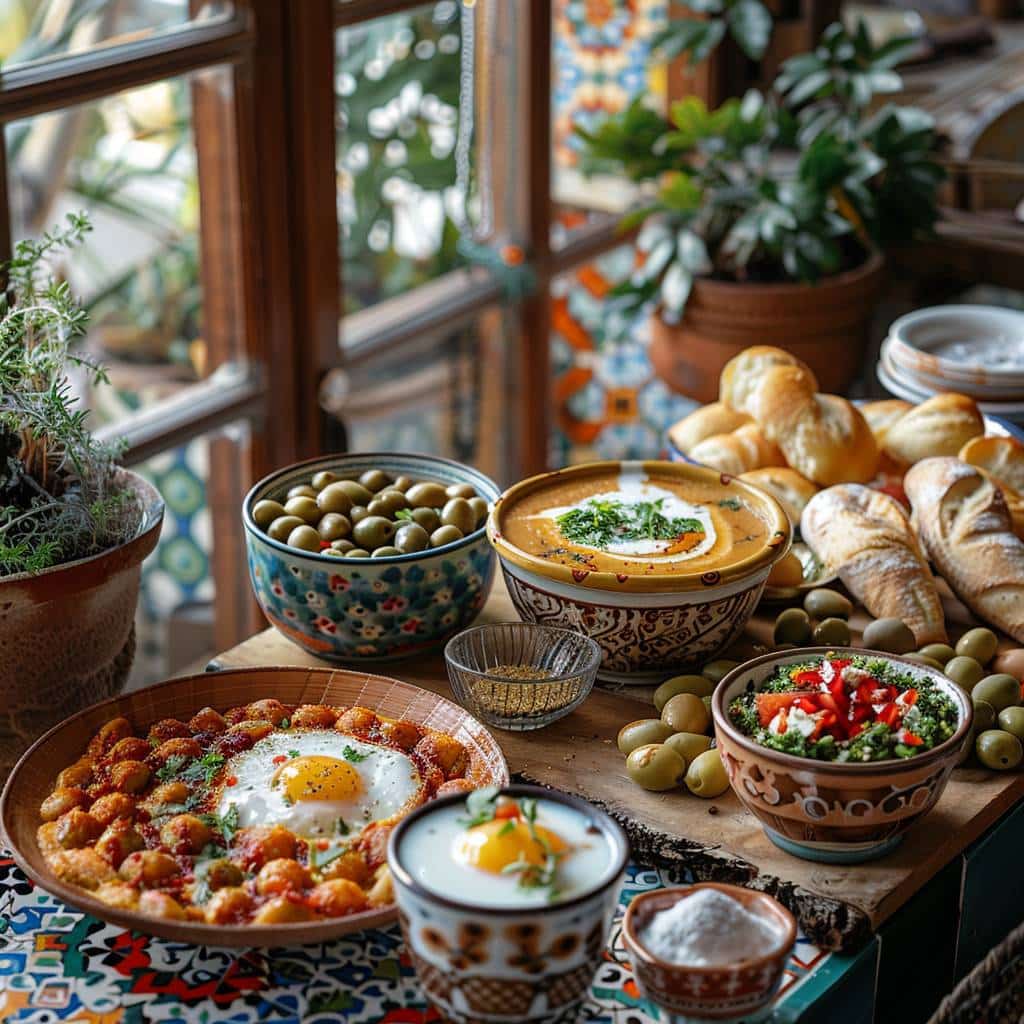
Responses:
[766,219]
[74,526]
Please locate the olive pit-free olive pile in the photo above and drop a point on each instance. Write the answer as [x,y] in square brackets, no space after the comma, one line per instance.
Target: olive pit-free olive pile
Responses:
[376,515]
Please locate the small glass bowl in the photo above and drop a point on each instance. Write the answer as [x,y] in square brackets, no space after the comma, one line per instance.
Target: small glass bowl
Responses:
[521,675]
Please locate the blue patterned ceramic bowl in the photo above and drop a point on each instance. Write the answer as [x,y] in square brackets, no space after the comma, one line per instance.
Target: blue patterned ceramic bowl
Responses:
[362,609]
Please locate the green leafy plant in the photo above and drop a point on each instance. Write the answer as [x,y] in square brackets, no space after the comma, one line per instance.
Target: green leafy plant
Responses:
[60,494]
[791,184]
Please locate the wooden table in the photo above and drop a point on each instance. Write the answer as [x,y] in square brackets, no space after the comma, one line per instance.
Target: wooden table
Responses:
[838,906]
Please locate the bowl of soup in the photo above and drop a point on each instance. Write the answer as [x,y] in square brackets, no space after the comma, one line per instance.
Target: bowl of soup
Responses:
[660,563]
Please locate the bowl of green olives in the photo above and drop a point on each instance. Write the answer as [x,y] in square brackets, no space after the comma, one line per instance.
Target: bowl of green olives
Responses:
[370,557]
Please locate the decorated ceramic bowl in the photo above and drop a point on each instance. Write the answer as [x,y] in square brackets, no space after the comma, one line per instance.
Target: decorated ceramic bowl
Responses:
[369,609]
[483,963]
[829,811]
[726,992]
[660,587]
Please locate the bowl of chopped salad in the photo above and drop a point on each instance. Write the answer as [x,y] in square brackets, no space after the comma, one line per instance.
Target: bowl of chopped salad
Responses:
[837,753]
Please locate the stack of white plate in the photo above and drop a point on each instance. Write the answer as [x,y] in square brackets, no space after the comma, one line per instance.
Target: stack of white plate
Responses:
[974,350]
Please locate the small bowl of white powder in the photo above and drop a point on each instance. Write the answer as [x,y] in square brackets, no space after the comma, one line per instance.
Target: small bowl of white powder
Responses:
[708,951]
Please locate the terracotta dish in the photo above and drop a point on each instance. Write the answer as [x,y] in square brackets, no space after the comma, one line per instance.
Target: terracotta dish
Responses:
[32,779]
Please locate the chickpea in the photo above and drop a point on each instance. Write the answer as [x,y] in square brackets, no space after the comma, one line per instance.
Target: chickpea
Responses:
[184,833]
[131,748]
[168,729]
[281,910]
[223,873]
[207,720]
[314,716]
[337,897]
[269,710]
[118,840]
[78,774]
[261,844]
[382,891]
[357,721]
[84,868]
[280,876]
[129,776]
[159,904]
[254,730]
[404,735]
[108,734]
[168,793]
[60,801]
[446,751]
[179,746]
[351,865]
[148,868]
[229,905]
[77,828]
[118,894]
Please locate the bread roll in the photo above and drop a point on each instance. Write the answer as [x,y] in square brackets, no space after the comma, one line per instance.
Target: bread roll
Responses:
[1000,457]
[792,490]
[940,426]
[743,373]
[965,527]
[882,415]
[738,452]
[707,421]
[866,537]
[823,437]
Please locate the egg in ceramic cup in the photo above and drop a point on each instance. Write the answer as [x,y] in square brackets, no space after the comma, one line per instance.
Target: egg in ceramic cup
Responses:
[506,900]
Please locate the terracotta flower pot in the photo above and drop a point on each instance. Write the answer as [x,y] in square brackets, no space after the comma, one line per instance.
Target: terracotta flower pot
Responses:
[825,324]
[67,634]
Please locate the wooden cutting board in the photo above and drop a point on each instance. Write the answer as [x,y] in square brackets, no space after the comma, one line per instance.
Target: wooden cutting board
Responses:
[837,906]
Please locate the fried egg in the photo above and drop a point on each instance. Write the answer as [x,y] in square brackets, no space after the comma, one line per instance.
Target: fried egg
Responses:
[319,783]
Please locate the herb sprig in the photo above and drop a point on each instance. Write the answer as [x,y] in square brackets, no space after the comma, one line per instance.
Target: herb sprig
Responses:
[600,522]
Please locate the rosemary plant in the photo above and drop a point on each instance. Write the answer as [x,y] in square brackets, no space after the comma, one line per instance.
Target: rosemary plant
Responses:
[60,495]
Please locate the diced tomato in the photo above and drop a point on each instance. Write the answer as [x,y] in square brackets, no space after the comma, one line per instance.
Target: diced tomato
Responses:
[507,809]
[890,714]
[827,722]
[855,730]
[840,706]
[808,704]
[808,678]
[280,759]
[838,664]
[860,713]
[769,705]
[864,692]
[910,739]
[909,698]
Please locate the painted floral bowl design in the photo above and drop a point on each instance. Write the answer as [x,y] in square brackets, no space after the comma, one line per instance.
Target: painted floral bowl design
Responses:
[726,992]
[499,965]
[829,811]
[369,609]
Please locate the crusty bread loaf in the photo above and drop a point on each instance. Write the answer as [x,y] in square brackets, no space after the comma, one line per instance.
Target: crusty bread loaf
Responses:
[965,526]
[792,490]
[707,421]
[940,426]
[823,437]
[866,537]
[882,415]
[1000,457]
[742,450]
[742,374]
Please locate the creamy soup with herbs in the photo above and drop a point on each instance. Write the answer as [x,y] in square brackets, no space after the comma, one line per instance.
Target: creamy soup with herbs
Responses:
[638,523]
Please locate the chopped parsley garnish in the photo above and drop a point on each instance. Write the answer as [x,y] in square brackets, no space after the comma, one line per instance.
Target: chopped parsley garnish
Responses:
[286,723]
[404,513]
[353,755]
[293,753]
[226,824]
[341,827]
[598,523]
[733,504]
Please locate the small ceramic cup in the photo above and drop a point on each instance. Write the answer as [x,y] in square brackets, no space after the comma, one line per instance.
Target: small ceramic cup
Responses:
[688,995]
[501,965]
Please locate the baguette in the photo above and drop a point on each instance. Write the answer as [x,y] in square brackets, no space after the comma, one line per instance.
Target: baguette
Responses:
[707,421]
[742,374]
[866,537]
[823,437]
[882,415]
[792,490]
[966,529]
[1000,457]
[940,426]
[738,452]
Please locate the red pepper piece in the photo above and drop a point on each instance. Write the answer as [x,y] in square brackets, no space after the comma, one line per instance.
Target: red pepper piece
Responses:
[909,697]
[911,739]
[809,678]
[855,730]
[890,714]
[808,704]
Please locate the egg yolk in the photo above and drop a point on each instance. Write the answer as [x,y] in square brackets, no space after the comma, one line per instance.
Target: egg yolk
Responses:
[494,845]
[317,777]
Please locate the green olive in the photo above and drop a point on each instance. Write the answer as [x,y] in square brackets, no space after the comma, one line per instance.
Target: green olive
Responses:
[832,633]
[460,491]
[427,518]
[373,532]
[792,627]
[333,498]
[385,551]
[358,494]
[375,480]
[656,767]
[342,545]
[322,479]
[701,686]
[979,644]
[265,512]
[301,491]
[1011,720]
[964,671]
[641,733]
[942,653]
[282,526]
[402,483]
[688,745]
[707,707]
[822,603]
[984,716]
[480,509]
[304,507]
[457,512]
[893,636]
[706,775]
[333,553]
[411,537]
[1001,691]
[357,553]
[685,712]
[998,749]
[304,537]
[387,503]
[922,659]
[426,494]
[357,513]
[445,535]
[716,671]
[334,526]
